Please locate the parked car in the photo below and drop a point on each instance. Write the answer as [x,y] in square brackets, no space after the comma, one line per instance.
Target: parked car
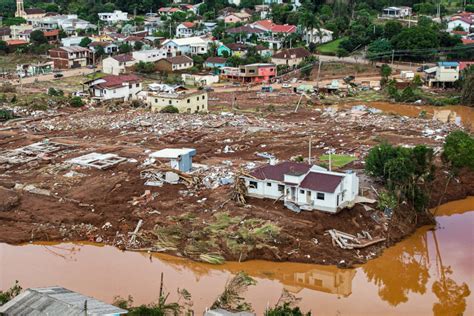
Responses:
[58,75]
[423,68]
[286,85]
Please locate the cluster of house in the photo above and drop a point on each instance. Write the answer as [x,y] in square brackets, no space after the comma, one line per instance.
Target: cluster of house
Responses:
[129,87]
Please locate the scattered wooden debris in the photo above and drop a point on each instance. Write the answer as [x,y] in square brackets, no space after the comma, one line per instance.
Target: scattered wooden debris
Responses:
[133,237]
[239,191]
[348,241]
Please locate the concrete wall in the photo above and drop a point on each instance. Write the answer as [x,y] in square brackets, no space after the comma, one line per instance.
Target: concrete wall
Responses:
[191,104]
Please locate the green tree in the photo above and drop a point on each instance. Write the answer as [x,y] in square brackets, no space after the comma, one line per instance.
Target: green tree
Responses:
[285,310]
[3,47]
[379,49]
[392,28]
[137,45]
[85,42]
[10,293]
[467,93]
[37,37]
[458,150]
[125,48]
[76,102]
[145,67]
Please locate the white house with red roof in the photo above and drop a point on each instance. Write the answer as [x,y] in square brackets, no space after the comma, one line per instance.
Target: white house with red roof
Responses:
[303,186]
[186,29]
[269,26]
[464,20]
[125,87]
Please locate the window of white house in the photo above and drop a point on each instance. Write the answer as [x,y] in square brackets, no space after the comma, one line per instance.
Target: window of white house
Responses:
[281,187]
[253,184]
[138,85]
[189,100]
[269,184]
[170,102]
[320,196]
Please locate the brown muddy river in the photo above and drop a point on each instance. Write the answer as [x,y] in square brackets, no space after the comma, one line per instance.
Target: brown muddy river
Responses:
[432,272]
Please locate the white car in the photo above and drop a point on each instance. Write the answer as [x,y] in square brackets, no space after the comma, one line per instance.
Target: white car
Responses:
[286,85]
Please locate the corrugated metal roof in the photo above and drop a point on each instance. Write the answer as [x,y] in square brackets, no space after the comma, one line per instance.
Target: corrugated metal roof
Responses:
[56,301]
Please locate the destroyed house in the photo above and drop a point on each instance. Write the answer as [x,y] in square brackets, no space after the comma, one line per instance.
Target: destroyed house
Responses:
[303,186]
[180,158]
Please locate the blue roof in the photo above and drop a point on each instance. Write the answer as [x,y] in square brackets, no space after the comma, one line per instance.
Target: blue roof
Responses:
[448,63]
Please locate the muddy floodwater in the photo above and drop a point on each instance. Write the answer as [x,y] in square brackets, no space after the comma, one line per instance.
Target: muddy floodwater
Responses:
[431,272]
[456,114]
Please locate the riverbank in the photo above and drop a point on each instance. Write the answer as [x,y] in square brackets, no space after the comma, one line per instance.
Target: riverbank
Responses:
[403,280]
[49,199]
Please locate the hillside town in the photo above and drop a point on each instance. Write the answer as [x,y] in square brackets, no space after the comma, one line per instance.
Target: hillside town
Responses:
[317,132]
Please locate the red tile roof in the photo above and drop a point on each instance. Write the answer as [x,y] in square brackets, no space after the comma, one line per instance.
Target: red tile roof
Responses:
[188,24]
[276,28]
[117,81]
[465,64]
[34,11]
[16,42]
[284,28]
[321,182]
[277,172]
[51,33]
[467,41]
[134,39]
[216,60]
[123,58]
[177,60]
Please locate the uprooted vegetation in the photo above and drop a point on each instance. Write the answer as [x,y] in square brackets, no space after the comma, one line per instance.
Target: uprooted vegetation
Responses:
[224,234]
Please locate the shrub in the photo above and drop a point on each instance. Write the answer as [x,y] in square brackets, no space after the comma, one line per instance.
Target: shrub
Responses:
[76,102]
[55,92]
[459,150]
[169,109]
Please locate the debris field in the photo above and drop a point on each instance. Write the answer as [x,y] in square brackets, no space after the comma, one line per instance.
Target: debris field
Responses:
[87,175]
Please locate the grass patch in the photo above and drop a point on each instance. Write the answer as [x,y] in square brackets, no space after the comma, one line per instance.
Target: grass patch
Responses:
[330,48]
[337,161]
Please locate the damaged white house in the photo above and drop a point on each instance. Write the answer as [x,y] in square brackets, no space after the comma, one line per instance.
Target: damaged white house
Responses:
[303,186]
[180,158]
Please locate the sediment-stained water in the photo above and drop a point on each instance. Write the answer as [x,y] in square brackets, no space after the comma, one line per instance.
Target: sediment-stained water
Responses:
[431,272]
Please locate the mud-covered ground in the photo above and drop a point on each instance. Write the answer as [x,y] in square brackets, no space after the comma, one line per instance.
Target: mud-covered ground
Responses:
[49,199]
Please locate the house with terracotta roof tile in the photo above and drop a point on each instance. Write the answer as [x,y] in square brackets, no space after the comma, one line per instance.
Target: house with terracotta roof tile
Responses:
[176,63]
[125,87]
[290,57]
[186,29]
[303,186]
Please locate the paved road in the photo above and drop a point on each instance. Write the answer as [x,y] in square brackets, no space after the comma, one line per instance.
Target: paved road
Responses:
[359,60]
[49,77]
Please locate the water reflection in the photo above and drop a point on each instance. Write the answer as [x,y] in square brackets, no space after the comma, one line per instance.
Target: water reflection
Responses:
[402,270]
[431,272]
[451,296]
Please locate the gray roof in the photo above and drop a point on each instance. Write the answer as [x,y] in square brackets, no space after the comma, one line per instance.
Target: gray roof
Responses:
[56,301]
[223,312]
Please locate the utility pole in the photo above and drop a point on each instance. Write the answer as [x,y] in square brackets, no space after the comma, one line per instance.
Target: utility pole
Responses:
[309,150]
[319,73]
[393,55]
[330,167]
